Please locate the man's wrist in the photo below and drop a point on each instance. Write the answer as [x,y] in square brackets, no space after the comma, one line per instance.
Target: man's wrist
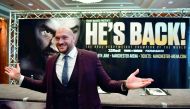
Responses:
[21,79]
[124,87]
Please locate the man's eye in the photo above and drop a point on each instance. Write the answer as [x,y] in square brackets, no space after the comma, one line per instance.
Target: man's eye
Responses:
[43,33]
[44,30]
[46,34]
[48,31]
[75,29]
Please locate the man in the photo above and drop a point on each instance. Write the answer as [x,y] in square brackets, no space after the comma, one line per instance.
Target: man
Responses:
[78,89]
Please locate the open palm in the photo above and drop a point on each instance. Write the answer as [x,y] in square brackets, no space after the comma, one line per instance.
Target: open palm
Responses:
[133,82]
[13,73]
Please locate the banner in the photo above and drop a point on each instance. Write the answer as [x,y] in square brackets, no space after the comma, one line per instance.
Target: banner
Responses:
[157,46]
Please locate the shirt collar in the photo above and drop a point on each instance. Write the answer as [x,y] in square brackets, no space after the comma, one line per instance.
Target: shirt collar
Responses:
[73,53]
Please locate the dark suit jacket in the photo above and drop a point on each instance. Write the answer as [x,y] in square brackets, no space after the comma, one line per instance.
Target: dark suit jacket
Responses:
[91,74]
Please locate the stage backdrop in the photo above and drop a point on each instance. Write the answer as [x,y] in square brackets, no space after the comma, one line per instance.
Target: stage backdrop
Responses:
[159,47]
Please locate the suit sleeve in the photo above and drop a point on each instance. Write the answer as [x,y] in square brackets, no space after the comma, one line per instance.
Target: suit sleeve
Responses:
[37,85]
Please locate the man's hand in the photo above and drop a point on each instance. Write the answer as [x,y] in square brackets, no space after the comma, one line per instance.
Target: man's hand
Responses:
[133,82]
[13,73]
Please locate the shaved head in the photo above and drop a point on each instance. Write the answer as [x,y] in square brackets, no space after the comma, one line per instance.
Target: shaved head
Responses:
[66,31]
[65,40]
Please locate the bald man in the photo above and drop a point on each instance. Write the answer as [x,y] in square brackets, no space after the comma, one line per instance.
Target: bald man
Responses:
[84,72]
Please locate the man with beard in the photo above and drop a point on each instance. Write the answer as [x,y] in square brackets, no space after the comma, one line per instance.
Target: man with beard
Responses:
[72,77]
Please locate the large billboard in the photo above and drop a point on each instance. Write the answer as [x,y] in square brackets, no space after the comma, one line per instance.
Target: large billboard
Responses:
[157,46]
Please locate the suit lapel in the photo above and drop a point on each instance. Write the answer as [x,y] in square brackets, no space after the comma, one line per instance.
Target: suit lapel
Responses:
[51,67]
[81,64]
[53,63]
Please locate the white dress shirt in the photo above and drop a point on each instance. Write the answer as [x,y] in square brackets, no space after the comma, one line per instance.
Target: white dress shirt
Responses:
[72,56]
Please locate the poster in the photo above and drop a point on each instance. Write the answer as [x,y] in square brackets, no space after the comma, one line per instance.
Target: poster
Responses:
[159,47]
